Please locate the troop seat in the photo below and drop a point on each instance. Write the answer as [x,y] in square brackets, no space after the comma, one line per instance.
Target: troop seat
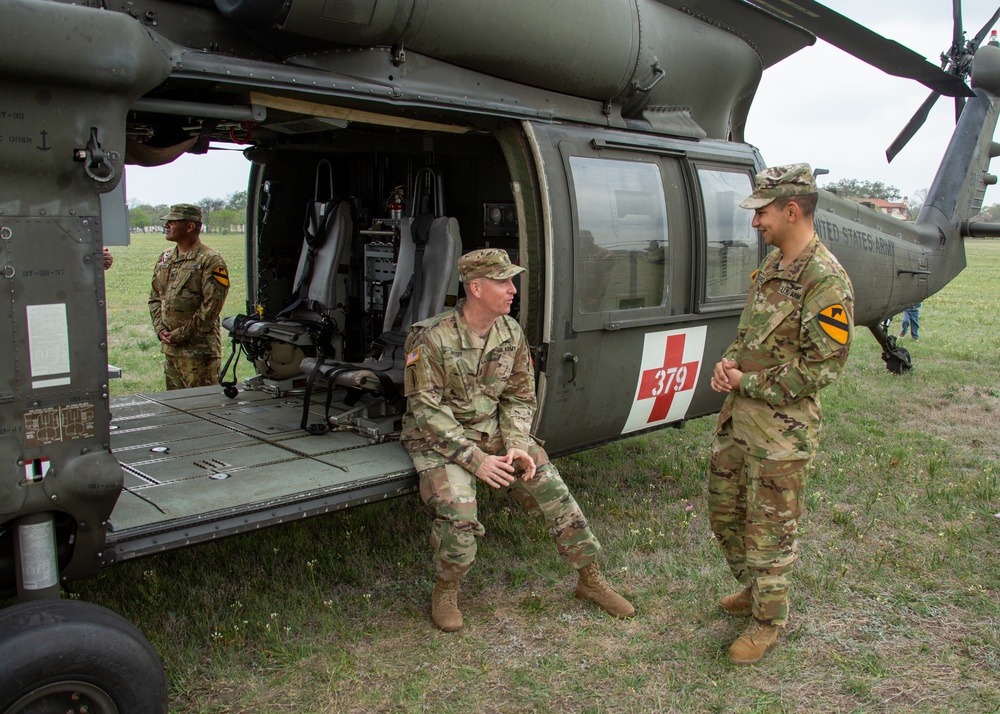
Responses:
[426,274]
[307,321]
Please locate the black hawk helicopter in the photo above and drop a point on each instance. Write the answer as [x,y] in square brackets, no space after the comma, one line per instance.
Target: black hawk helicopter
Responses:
[386,138]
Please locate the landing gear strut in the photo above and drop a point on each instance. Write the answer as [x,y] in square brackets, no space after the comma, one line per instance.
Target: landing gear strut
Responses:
[897,359]
[69,656]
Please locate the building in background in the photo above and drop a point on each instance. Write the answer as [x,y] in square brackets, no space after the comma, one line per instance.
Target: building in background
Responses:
[899,209]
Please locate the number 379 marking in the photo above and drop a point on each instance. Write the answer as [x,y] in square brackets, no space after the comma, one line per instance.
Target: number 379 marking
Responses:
[670,379]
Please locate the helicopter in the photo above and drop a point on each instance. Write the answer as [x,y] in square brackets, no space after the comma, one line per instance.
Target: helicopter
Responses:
[385,139]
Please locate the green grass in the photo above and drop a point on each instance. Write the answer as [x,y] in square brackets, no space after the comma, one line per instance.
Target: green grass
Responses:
[895,603]
[132,345]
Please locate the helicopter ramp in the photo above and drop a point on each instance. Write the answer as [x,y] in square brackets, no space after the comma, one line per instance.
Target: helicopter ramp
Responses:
[199,466]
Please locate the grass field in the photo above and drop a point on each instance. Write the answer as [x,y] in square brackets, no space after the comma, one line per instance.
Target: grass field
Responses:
[894,607]
[132,345]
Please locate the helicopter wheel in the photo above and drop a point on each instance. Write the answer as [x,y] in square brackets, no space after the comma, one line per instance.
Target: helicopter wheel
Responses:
[898,361]
[70,656]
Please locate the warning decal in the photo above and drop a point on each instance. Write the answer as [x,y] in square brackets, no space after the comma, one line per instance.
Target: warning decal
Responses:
[53,425]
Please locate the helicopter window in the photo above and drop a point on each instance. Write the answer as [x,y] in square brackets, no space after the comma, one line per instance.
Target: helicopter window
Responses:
[621,261]
[731,251]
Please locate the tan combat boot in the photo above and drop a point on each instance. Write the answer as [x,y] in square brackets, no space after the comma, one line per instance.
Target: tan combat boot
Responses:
[444,606]
[592,586]
[738,604]
[754,643]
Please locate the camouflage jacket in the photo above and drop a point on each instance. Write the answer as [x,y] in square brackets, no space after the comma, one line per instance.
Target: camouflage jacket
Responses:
[793,339]
[188,293]
[462,388]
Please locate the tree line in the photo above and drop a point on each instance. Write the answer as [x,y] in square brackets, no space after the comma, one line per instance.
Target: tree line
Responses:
[218,214]
[857,190]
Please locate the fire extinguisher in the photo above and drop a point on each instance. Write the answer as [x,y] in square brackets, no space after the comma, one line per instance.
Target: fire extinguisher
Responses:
[396,204]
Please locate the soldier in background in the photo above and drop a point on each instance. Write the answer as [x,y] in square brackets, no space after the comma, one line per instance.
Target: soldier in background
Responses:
[793,339]
[190,284]
[471,402]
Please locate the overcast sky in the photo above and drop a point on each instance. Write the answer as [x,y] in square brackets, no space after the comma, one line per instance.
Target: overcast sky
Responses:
[848,112]
[821,106]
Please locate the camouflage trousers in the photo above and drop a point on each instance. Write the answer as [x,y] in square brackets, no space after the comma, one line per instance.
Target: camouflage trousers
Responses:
[182,372]
[754,505]
[450,491]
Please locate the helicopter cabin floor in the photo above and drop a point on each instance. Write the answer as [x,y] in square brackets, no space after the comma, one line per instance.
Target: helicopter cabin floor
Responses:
[198,466]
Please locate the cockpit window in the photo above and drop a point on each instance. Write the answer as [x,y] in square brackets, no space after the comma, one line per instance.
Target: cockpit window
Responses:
[731,253]
[622,260]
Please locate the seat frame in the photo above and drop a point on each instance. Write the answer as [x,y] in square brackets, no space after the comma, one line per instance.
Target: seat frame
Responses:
[427,268]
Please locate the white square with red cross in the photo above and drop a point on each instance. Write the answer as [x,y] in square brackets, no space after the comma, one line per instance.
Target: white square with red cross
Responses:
[671,363]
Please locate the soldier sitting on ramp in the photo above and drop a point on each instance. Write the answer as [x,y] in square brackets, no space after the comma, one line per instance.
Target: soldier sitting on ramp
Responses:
[471,401]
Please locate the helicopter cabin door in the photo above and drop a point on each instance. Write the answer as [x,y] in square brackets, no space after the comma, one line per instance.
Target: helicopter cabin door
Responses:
[646,261]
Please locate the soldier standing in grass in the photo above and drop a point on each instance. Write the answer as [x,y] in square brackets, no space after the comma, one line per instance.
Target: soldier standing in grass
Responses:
[190,284]
[471,402]
[793,339]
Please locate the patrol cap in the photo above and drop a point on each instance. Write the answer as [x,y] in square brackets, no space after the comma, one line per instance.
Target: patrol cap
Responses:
[778,182]
[183,212]
[487,263]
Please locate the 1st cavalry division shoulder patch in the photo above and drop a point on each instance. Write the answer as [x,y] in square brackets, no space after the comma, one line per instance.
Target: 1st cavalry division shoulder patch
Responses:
[221,276]
[835,323]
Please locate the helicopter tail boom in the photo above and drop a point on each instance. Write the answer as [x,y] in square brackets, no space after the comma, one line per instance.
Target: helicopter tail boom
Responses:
[957,191]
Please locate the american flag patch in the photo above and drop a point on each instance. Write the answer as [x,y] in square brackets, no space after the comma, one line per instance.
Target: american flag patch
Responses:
[413,357]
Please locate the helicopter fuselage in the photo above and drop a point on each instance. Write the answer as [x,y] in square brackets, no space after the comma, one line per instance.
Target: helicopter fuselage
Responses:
[617,189]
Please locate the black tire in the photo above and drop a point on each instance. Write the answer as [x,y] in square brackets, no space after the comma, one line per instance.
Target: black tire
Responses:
[899,361]
[64,655]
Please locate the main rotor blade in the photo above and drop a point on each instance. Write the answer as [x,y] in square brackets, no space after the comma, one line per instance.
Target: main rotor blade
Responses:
[916,121]
[981,35]
[957,35]
[887,55]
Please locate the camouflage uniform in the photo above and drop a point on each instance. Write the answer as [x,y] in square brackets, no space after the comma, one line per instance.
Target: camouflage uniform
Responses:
[187,296]
[793,339]
[470,396]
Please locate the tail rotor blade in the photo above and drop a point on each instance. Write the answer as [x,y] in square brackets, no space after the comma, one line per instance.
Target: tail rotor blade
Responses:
[916,121]
[959,106]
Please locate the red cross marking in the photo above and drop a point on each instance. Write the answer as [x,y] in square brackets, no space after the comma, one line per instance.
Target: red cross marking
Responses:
[662,383]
